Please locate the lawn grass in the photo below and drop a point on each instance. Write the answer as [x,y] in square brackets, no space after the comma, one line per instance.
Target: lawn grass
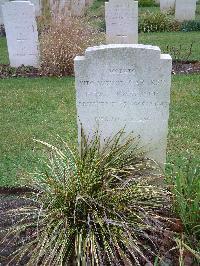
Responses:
[37,108]
[184,124]
[3,51]
[42,108]
[174,40]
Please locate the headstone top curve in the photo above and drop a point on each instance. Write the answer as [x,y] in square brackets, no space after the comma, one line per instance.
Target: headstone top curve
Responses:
[136,46]
[110,47]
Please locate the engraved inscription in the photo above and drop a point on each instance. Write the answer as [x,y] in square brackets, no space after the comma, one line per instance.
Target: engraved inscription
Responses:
[122,70]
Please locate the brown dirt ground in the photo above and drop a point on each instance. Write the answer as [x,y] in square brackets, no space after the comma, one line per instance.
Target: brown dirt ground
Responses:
[9,202]
[184,67]
[14,198]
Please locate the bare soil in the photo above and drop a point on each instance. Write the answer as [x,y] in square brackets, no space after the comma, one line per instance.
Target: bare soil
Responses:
[13,198]
[184,67]
[9,202]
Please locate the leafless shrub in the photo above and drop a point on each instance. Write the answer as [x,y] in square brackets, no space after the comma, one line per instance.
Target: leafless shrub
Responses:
[181,52]
[65,38]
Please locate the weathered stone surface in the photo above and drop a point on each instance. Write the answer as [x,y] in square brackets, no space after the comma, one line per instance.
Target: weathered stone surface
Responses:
[125,86]
[60,7]
[38,7]
[185,10]
[121,21]
[69,7]
[167,5]
[77,8]
[89,2]
[21,33]
[1,13]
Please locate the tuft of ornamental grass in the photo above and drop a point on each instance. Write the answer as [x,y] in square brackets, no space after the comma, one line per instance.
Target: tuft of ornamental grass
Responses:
[95,206]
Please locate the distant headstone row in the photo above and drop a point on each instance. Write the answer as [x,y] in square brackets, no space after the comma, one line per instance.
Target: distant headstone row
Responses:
[69,7]
[184,9]
[121,23]
[122,17]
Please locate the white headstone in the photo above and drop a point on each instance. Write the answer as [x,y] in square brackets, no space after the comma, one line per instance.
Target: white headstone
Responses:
[38,7]
[78,8]
[167,5]
[1,14]
[89,2]
[21,33]
[60,7]
[185,10]
[121,21]
[125,86]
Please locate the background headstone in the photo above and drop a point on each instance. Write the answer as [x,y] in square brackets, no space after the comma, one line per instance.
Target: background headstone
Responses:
[21,33]
[167,5]
[78,8]
[89,2]
[185,10]
[60,7]
[121,21]
[125,86]
[1,13]
[38,7]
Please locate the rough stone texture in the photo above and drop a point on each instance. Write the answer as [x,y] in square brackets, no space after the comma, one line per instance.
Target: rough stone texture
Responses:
[121,21]
[89,2]
[125,86]
[185,10]
[78,8]
[1,13]
[21,33]
[167,5]
[69,7]
[38,7]
[60,7]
